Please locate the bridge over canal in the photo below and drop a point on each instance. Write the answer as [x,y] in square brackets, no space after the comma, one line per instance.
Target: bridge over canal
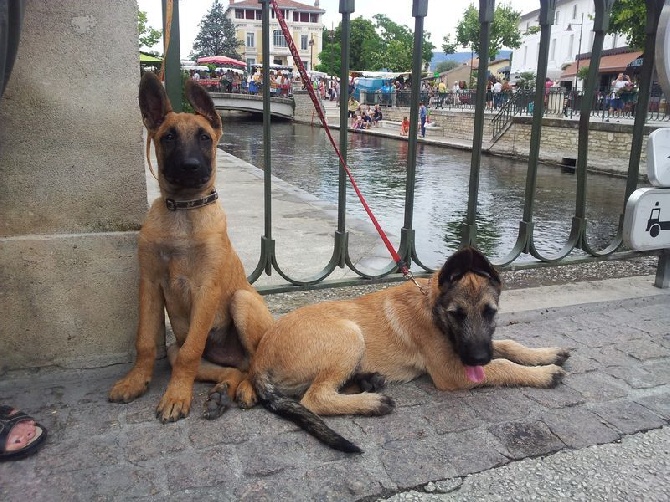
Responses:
[279,107]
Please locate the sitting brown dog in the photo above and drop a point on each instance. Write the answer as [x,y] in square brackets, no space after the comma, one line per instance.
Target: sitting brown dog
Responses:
[188,265]
[443,328]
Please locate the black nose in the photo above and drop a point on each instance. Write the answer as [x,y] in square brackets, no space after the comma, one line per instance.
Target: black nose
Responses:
[476,356]
[190,165]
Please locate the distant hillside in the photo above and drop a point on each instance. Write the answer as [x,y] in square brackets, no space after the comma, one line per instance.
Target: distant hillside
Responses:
[460,57]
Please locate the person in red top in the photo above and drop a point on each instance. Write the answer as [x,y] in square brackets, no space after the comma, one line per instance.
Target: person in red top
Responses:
[404,127]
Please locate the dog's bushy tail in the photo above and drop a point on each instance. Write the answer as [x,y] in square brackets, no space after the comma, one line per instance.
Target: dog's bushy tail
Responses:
[292,410]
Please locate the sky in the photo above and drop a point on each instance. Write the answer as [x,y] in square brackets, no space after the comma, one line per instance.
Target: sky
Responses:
[442,18]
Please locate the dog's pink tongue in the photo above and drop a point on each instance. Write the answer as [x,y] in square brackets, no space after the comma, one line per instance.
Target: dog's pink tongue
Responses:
[475,373]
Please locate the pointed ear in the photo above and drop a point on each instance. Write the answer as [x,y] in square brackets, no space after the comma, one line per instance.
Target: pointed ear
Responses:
[154,103]
[467,260]
[202,104]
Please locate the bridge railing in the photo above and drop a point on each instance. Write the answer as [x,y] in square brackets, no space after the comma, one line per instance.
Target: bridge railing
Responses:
[576,248]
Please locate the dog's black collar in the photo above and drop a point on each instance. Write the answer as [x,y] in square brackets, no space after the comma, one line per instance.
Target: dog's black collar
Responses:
[173,205]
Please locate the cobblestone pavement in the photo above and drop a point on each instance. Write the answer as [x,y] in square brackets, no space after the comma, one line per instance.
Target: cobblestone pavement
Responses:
[618,385]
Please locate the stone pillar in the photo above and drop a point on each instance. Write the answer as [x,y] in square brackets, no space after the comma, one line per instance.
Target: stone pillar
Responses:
[72,187]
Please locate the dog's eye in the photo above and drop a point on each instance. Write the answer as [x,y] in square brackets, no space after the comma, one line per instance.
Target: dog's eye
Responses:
[489,312]
[170,136]
[457,314]
[204,137]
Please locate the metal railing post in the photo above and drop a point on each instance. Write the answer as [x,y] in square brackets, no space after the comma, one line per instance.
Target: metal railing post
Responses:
[266,259]
[486,9]
[347,7]
[407,244]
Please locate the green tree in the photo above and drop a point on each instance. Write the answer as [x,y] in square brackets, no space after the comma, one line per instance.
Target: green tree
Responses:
[504,31]
[330,56]
[446,65]
[365,45]
[217,35]
[628,17]
[396,37]
[526,80]
[148,35]
[583,73]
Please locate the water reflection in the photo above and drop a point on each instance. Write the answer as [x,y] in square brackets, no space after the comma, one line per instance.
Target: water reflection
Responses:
[303,156]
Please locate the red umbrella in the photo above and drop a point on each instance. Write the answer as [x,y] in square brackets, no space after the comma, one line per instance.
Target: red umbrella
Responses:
[222,60]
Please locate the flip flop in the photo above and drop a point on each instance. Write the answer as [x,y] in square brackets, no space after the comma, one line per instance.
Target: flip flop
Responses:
[7,421]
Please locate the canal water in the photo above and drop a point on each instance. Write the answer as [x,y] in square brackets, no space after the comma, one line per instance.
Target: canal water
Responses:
[303,156]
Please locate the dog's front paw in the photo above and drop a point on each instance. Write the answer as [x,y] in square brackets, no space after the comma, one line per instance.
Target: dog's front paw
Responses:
[553,375]
[561,356]
[246,396]
[128,388]
[173,407]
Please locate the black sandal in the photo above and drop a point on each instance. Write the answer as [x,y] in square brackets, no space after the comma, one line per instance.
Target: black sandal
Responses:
[9,417]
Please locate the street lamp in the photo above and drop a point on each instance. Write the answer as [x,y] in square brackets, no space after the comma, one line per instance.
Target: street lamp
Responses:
[579,48]
[311,53]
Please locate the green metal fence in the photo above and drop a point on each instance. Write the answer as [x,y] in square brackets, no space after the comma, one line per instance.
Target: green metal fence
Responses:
[525,245]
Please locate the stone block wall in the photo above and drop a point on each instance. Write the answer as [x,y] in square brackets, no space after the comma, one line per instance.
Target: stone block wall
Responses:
[72,187]
[608,146]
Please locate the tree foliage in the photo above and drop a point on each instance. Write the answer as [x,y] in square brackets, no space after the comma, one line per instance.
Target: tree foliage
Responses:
[628,17]
[365,45]
[382,44]
[504,31]
[443,66]
[148,35]
[330,59]
[217,35]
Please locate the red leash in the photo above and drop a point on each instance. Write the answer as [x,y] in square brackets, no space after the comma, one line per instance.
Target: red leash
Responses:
[402,266]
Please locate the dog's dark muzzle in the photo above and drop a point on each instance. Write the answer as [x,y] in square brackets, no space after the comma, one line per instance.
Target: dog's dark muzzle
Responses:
[475,354]
[190,173]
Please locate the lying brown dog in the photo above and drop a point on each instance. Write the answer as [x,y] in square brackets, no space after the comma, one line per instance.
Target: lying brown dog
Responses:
[444,328]
[187,264]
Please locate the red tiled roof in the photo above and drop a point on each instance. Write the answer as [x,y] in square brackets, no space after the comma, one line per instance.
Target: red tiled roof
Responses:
[286,4]
[608,64]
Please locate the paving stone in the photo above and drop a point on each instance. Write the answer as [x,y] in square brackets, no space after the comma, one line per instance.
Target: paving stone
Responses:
[595,386]
[80,453]
[558,397]
[218,466]
[500,404]
[581,362]
[627,416]
[451,415]
[441,457]
[402,423]
[409,394]
[637,377]
[236,426]
[609,355]
[643,349]
[659,403]
[526,439]
[577,427]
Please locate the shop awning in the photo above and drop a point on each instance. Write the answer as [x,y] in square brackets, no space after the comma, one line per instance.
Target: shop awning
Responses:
[149,58]
[608,64]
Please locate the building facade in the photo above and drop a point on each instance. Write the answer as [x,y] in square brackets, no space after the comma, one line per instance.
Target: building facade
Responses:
[304,22]
[571,35]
